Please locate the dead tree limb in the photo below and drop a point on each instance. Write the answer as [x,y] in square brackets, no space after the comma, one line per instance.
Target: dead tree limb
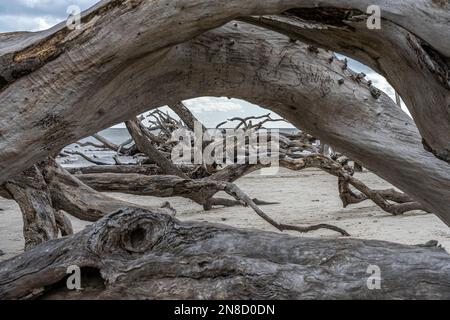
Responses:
[31,193]
[88,143]
[122,180]
[413,65]
[77,199]
[145,145]
[199,191]
[86,157]
[64,224]
[186,115]
[149,169]
[106,143]
[232,203]
[381,198]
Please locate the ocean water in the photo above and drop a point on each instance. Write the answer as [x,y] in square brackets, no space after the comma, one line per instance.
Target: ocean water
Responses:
[115,135]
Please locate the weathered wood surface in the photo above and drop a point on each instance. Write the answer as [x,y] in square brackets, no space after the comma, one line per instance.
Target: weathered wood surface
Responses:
[412,65]
[77,199]
[144,144]
[139,169]
[32,195]
[202,190]
[262,67]
[164,258]
[44,55]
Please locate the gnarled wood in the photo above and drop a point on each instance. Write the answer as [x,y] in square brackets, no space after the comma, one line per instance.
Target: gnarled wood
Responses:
[382,138]
[77,199]
[31,193]
[64,224]
[166,259]
[411,64]
[139,169]
[145,145]
[37,54]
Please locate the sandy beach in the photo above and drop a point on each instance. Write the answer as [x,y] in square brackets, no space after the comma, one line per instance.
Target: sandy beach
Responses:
[307,197]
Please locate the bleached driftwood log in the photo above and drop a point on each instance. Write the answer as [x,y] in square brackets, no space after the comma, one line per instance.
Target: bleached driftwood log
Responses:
[58,86]
[383,139]
[31,193]
[168,259]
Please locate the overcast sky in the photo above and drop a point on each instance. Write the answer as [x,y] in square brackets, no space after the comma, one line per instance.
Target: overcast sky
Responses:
[35,15]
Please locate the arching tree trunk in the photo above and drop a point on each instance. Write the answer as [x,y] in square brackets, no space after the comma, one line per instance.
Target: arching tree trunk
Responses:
[31,193]
[408,55]
[344,114]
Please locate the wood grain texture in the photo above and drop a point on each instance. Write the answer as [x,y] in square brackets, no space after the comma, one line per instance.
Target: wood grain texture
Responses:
[76,85]
[168,259]
[32,195]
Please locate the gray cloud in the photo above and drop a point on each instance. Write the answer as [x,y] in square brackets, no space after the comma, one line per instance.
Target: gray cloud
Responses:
[34,15]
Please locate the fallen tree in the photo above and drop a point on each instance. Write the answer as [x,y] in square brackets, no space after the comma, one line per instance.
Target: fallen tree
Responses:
[371,130]
[296,151]
[47,191]
[168,259]
[177,60]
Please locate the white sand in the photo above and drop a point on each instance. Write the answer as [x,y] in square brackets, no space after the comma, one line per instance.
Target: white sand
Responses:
[307,197]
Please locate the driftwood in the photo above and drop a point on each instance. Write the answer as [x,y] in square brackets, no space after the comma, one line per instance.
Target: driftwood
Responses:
[383,139]
[139,169]
[412,65]
[66,193]
[288,147]
[72,196]
[144,144]
[203,190]
[176,57]
[168,259]
[30,191]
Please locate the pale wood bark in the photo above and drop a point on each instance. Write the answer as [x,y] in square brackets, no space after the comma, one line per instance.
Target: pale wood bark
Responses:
[31,193]
[139,169]
[41,53]
[383,139]
[203,190]
[39,116]
[186,115]
[64,224]
[412,65]
[74,197]
[145,145]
